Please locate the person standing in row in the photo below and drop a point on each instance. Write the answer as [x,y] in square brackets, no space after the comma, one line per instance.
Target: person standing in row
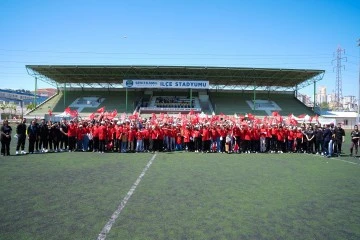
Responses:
[43,136]
[339,138]
[355,135]
[37,140]
[32,133]
[5,132]
[21,136]
[64,136]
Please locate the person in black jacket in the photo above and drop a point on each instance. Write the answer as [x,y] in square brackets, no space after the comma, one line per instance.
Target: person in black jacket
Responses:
[43,136]
[339,138]
[327,137]
[355,136]
[64,138]
[32,132]
[318,139]
[21,136]
[37,140]
[54,136]
[5,133]
[310,139]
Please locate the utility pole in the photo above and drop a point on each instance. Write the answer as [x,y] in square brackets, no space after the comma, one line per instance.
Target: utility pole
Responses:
[338,82]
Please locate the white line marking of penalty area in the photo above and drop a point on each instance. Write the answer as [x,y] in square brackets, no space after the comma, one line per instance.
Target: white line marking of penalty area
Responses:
[115,215]
[336,159]
[345,161]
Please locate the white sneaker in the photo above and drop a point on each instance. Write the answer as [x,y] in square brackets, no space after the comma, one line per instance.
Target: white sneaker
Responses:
[23,152]
[17,153]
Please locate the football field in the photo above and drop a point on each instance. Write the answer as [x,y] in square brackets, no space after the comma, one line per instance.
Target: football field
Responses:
[179,196]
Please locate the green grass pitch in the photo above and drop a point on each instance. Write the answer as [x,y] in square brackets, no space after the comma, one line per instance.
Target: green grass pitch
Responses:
[182,196]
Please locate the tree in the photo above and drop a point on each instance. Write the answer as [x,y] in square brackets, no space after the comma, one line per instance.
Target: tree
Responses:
[3,107]
[30,107]
[12,107]
[324,105]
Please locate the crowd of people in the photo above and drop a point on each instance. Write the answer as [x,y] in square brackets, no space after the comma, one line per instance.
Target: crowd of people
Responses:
[150,135]
[174,102]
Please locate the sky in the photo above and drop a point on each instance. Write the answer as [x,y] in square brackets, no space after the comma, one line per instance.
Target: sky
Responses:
[259,33]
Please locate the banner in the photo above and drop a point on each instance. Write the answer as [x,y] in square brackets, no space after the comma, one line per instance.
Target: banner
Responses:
[186,84]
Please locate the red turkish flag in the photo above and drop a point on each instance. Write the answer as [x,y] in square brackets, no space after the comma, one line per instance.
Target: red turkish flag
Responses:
[67,110]
[92,116]
[101,110]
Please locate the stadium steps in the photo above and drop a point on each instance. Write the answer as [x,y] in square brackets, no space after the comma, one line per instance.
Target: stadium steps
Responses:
[112,100]
[290,105]
[44,107]
[230,103]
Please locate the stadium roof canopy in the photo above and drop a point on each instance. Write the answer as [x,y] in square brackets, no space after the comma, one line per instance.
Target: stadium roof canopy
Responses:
[218,77]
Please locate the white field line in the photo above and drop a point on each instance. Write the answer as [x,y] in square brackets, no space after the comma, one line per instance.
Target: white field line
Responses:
[337,159]
[106,229]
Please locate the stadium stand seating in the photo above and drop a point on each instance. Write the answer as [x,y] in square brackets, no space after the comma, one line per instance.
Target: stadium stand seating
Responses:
[291,105]
[226,102]
[111,100]
[231,102]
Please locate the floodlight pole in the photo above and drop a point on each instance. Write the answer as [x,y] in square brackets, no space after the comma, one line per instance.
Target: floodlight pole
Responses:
[314,95]
[35,92]
[126,100]
[358,103]
[254,103]
[22,108]
[64,95]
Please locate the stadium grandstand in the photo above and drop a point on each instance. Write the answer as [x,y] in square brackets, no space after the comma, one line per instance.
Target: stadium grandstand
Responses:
[174,89]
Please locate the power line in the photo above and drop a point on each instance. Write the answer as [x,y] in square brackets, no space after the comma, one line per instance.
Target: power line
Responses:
[160,54]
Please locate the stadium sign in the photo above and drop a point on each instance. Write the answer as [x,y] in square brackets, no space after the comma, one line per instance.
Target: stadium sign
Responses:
[166,84]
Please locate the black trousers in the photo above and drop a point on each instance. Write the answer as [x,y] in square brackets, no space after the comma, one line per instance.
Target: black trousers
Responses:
[96,144]
[72,143]
[20,142]
[53,143]
[338,146]
[197,144]
[117,145]
[146,144]
[206,145]
[246,145]
[43,142]
[37,140]
[5,146]
[31,144]
[298,145]
[318,146]
[64,142]
[151,145]
[101,145]
[273,143]
[310,146]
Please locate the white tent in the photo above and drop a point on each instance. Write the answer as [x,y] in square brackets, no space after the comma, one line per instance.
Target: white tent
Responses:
[63,115]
